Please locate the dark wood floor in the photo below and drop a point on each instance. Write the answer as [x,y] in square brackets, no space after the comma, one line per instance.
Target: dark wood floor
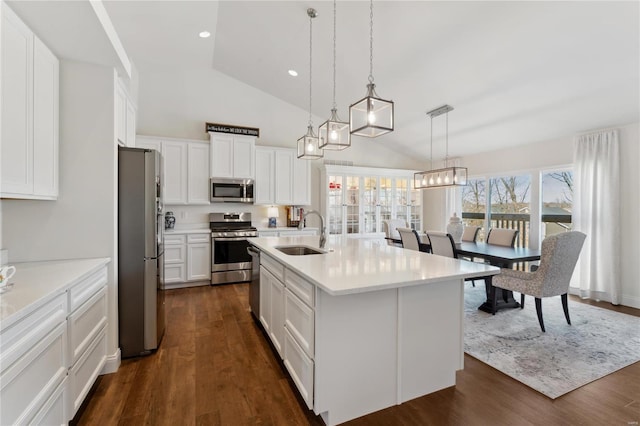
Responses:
[215,367]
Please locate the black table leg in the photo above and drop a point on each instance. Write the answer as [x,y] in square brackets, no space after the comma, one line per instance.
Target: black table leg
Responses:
[505,298]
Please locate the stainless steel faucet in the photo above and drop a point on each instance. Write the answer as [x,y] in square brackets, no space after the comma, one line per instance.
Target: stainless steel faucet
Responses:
[323,238]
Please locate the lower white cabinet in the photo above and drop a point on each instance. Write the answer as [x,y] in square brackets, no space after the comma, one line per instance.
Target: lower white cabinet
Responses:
[51,357]
[300,367]
[288,316]
[187,259]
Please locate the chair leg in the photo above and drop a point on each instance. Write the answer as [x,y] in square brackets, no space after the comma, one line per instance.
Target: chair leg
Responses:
[565,307]
[521,300]
[473,283]
[539,312]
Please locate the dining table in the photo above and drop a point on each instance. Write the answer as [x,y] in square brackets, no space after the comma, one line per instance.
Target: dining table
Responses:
[495,255]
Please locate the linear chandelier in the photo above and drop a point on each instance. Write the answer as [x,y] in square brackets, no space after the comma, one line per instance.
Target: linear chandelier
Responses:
[448,176]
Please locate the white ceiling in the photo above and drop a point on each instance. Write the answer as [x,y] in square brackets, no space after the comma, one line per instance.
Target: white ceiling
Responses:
[515,72]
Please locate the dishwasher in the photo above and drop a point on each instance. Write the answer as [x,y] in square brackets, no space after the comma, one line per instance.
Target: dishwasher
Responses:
[254,285]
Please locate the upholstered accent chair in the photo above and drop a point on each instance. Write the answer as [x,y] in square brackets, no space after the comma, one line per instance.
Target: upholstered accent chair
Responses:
[558,259]
[502,237]
[470,233]
[390,228]
[410,238]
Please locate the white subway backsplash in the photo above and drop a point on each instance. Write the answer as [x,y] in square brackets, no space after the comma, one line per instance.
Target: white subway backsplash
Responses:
[189,217]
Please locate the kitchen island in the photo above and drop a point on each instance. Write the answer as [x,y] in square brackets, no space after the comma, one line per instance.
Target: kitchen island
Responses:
[364,325]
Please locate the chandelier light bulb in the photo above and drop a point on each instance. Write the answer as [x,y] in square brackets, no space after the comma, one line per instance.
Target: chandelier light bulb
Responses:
[309,147]
[439,179]
[372,117]
[446,178]
[431,182]
[333,135]
[424,180]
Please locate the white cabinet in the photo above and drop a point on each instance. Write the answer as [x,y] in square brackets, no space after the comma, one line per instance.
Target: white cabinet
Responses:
[287,313]
[29,113]
[232,156]
[198,257]
[355,200]
[125,115]
[272,308]
[186,169]
[52,356]
[187,259]
[281,178]
[264,188]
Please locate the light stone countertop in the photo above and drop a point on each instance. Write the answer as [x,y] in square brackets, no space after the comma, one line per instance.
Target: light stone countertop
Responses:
[187,231]
[286,228]
[353,265]
[36,283]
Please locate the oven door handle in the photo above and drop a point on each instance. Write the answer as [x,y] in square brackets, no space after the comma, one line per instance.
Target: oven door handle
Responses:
[229,238]
[253,251]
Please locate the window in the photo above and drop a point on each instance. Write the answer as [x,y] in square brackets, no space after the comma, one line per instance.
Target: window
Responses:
[557,202]
[510,205]
[474,205]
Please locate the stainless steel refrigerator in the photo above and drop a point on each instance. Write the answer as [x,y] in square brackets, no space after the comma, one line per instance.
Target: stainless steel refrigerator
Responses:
[141,316]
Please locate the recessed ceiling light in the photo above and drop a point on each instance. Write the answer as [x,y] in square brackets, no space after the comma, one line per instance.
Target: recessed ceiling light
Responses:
[204,34]
[293,73]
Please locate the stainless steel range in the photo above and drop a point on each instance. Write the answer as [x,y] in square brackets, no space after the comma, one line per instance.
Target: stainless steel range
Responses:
[230,261]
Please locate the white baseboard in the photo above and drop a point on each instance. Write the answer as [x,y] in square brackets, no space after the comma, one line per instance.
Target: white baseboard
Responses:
[112,364]
[171,286]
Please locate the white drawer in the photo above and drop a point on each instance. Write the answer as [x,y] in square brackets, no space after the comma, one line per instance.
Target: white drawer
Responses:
[301,287]
[300,367]
[20,337]
[170,239]
[299,320]
[27,384]
[54,411]
[175,254]
[85,323]
[199,238]
[175,273]
[275,267]
[85,371]
[81,292]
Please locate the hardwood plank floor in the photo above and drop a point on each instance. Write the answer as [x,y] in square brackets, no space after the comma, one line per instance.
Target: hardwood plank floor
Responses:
[215,367]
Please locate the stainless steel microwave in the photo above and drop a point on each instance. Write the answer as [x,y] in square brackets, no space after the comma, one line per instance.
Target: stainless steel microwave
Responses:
[231,190]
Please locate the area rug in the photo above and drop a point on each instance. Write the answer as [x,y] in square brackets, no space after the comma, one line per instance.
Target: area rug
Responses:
[598,342]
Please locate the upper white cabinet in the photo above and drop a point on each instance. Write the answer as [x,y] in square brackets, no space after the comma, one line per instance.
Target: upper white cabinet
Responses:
[29,113]
[355,200]
[186,168]
[281,178]
[232,156]
[125,116]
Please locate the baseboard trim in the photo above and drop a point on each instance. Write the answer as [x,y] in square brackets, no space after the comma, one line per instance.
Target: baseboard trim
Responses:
[112,363]
[630,301]
[172,286]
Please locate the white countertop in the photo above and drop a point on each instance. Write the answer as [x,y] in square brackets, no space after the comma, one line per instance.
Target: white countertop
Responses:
[286,228]
[35,283]
[187,231]
[354,265]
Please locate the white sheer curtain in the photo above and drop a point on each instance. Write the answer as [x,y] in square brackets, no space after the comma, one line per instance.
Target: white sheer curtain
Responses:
[596,207]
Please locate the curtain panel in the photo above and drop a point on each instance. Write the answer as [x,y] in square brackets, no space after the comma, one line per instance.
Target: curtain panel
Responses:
[596,213]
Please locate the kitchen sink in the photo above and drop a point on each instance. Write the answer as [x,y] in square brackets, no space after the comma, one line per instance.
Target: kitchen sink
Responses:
[299,250]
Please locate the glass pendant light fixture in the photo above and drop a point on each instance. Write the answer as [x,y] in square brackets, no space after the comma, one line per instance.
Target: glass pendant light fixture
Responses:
[334,133]
[371,116]
[308,145]
[447,176]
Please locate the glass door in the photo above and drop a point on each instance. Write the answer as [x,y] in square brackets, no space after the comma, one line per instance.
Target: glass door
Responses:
[401,198]
[352,203]
[370,204]
[335,205]
[415,206]
[385,199]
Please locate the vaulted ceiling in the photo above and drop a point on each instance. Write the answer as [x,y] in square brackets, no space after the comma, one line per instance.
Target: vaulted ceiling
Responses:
[516,72]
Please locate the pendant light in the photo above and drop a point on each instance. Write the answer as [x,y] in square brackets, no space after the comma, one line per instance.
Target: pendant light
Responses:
[334,133]
[371,116]
[308,145]
[447,176]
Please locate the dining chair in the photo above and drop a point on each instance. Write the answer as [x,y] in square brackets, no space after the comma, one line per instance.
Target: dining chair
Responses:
[390,228]
[502,237]
[470,234]
[442,244]
[558,259]
[410,238]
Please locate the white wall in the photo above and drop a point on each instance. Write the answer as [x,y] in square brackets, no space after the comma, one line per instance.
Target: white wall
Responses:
[557,153]
[81,223]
